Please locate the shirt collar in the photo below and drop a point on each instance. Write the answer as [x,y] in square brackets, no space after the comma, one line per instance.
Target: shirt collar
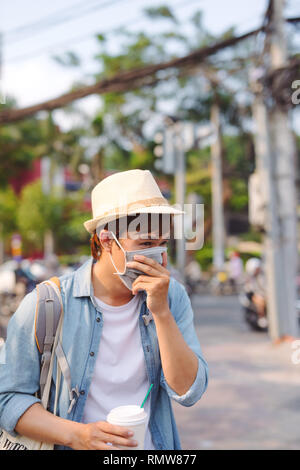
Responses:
[83,286]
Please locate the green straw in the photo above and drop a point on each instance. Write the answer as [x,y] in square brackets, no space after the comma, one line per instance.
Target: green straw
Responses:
[146,395]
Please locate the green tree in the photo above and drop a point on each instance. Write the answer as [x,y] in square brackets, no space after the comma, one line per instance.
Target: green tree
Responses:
[125,117]
[37,213]
[19,146]
[23,142]
[8,210]
[8,223]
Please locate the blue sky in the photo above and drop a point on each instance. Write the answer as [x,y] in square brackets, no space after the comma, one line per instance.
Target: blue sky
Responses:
[29,73]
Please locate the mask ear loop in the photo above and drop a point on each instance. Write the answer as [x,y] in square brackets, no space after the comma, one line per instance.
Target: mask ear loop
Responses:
[117,241]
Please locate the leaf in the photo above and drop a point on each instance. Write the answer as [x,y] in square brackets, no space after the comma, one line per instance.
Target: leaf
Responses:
[69,59]
[160,12]
[101,37]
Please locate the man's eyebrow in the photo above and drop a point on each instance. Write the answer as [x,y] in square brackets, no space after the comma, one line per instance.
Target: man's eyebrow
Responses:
[147,236]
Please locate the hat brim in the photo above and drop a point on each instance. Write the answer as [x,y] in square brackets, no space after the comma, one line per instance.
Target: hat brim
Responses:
[92,224]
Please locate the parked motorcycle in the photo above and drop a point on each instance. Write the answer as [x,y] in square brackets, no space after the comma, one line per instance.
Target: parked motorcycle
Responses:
[252,296]
[254,320]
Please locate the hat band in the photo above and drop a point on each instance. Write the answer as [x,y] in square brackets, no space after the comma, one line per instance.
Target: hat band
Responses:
[154,201]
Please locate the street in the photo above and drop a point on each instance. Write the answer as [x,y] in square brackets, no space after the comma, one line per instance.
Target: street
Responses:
[253,396]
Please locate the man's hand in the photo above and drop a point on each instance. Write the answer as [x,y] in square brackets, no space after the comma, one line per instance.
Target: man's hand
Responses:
[96,436]
[39,424]
[179,362]
[156,283]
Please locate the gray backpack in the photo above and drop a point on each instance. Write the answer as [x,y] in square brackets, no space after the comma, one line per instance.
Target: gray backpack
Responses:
[49,310]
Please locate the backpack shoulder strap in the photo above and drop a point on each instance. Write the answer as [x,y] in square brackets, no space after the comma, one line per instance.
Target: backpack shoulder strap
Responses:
[49,311]
[45,293]
[47,314]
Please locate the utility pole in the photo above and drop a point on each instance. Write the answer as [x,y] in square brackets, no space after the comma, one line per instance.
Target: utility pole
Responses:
[283,154]
[276,171]
[265,173]
[47,182]
[218,228]
[180,188]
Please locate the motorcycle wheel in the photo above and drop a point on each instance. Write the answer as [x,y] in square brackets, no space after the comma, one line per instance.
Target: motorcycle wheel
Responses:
[254,321]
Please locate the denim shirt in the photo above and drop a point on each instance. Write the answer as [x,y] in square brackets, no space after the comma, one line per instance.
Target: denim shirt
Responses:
[82,326]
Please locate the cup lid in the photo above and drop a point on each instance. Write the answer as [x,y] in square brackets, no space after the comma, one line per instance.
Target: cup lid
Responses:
[125,414]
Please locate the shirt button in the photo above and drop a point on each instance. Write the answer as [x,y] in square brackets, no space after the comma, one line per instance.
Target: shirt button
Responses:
[92,353]
[98,319]
[82,392]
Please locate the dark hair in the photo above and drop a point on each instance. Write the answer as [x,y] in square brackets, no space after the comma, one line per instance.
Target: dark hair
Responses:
[160,223]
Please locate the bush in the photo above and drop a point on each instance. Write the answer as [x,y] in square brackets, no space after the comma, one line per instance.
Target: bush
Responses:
[205,257]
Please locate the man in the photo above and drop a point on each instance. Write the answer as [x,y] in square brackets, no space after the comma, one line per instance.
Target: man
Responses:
[255,285]
[236,270]
[122,331]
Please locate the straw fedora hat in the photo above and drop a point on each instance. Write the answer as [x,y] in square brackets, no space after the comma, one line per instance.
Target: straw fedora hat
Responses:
[126,193]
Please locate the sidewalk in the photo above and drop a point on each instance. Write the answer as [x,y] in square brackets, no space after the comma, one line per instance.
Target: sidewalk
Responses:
[253,396]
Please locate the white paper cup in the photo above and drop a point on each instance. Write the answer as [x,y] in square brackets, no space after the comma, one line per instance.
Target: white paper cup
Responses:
[132,417]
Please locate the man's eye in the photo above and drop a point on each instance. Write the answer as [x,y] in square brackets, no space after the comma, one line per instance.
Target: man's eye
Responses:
[150,243]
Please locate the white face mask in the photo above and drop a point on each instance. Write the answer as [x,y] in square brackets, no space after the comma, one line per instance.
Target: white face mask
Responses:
[129,275]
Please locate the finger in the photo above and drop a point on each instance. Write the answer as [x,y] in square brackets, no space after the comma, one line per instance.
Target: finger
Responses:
[150,261]
[120,441]
[114,429]
[149,279]
[140,286]
[165,259]
[142,278]
[99,442]
[146,268]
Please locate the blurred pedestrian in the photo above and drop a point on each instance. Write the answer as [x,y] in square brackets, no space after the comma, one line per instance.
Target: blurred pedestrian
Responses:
[236,270]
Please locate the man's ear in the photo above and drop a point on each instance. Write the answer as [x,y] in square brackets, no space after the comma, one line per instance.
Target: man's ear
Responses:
[105,240]
[165,259]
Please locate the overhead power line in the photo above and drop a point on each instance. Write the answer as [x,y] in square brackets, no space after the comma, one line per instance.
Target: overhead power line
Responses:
[278,83]
[124,81]
[57,18]
[294,20]
[44,19]
[76,39]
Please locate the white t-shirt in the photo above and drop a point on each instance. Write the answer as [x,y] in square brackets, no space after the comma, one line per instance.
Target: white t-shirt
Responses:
[120,376]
